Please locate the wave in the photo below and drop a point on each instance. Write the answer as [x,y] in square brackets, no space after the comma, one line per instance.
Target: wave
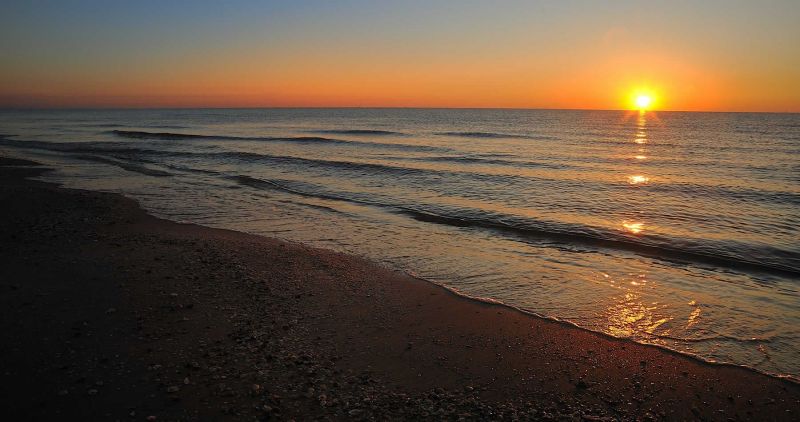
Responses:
[314,206]
[493,135]
[363,168]
[193,170]
[691,190]
[170,136]
[85,147]
[136,168]
[116,125]
[566,233]
[489,161]
[735,193]
[96,125]
[723,254]
[111,148]
[282,185]
[680,189]
[166,126]
[358,132]
[586,237]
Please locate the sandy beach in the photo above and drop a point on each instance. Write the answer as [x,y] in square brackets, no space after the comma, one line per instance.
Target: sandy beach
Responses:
[112,314]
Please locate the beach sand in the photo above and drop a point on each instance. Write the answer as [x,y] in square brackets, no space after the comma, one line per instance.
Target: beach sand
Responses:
[112,314]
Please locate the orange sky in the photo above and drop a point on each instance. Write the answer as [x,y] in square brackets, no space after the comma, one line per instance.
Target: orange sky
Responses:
[558,56]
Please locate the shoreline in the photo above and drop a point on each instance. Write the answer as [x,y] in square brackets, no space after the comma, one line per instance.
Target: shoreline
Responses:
[402,340]
[486,300]
[571,325]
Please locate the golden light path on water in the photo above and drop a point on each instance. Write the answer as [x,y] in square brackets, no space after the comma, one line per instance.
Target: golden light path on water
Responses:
[629,314]
[636,226]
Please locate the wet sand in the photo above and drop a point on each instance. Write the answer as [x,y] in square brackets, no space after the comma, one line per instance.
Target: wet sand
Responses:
[112,314]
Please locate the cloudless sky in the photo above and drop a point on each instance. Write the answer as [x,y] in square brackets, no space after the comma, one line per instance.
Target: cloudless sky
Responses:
[689,55]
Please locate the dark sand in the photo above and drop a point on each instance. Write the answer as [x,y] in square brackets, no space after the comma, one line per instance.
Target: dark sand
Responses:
[112,314]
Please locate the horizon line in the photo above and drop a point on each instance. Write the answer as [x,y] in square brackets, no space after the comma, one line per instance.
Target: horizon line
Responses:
[53,108]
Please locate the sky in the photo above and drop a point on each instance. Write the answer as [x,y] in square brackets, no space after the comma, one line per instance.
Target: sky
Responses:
[687,55]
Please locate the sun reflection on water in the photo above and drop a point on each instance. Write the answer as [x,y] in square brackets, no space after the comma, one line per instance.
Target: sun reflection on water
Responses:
[631,316]
[636,311]
[693,317]
[638,179]
[633,227]
[638,176]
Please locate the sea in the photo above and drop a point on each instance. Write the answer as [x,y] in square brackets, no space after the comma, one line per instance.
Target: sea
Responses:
[676,229]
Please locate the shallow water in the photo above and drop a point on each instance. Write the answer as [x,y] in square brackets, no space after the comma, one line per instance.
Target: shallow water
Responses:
[675,229]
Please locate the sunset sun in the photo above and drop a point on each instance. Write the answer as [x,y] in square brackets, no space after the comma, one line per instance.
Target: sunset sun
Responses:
[642,99]
[643,102]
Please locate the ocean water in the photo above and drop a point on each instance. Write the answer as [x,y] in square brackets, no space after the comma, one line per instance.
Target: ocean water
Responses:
[675,229]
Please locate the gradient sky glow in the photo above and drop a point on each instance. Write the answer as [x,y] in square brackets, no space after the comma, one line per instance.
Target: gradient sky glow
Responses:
[710,55]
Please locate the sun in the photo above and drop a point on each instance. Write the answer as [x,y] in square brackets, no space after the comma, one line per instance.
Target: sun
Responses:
[643,101]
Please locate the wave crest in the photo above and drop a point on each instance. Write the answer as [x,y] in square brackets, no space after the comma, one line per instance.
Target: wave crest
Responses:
[494,135]
[358,132]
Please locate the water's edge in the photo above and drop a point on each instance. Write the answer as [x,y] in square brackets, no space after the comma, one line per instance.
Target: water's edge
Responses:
[409,273]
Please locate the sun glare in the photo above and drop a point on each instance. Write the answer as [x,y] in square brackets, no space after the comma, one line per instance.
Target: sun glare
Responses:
[643,102]
[642,99]
[633,227]
[638,180]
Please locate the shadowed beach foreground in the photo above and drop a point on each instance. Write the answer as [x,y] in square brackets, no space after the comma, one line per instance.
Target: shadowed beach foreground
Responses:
[112,314]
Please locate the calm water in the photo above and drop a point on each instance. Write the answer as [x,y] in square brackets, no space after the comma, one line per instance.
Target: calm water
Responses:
[675,229]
